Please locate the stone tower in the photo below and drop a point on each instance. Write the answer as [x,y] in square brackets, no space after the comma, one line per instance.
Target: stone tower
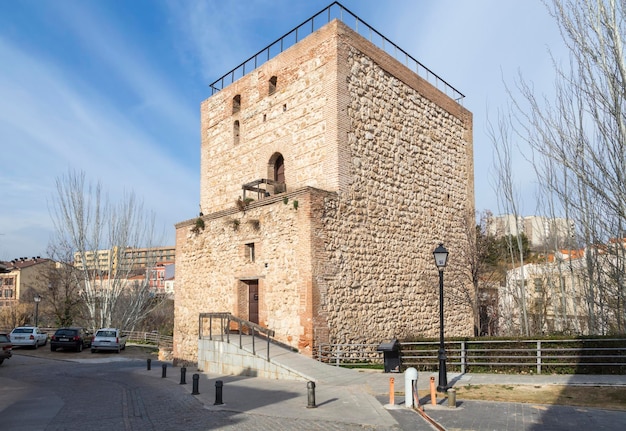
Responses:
[328,176]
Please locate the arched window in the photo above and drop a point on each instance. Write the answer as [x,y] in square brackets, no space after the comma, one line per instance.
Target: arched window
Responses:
[236,132]
[272,87]
[277,172]
[236,103]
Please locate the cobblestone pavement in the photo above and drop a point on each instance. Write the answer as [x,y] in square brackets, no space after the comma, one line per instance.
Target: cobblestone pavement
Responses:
[112,392]
[43,394]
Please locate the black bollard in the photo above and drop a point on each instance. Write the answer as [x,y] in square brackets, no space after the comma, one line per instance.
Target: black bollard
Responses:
[164,372]
[196,378]
[310,386]
[183,372]
[149,361]
[218,392]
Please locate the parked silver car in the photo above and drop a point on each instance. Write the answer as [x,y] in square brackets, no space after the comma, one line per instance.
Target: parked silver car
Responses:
[28,336]
[108,339]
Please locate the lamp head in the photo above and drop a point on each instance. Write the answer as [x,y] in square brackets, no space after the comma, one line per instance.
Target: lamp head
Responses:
[441,257]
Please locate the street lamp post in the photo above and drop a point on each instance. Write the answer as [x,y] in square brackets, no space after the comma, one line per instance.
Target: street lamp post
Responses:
[37,299]
[441,259]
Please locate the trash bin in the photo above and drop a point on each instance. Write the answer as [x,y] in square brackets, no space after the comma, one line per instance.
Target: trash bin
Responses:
[391,355]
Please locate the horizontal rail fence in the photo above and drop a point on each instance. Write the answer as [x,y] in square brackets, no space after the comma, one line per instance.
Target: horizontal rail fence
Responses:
[349,354]
[335,11]
[223,324]
[165,341]
[570,356]
[582,356]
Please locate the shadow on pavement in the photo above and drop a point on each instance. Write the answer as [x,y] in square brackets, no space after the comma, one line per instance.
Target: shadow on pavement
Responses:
[561,415]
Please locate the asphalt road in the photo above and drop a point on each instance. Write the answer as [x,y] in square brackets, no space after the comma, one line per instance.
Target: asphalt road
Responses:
[43,390]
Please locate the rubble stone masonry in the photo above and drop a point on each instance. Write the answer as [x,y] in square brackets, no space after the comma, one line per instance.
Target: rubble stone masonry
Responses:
[379,170]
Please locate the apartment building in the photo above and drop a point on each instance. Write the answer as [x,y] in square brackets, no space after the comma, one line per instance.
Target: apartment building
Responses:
[574,291]
[24,278]
[542,232]
[124,258]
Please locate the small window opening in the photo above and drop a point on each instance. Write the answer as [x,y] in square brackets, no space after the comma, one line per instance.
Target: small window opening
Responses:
[264,117]
[272,87]
[236,103]
[236,132]
[279,175]
[250,252]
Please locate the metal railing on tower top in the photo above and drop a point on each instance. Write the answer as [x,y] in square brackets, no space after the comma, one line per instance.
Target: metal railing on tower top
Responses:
[335,11]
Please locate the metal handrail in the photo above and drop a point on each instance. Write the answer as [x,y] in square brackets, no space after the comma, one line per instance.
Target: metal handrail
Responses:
[284,42]
[225,320]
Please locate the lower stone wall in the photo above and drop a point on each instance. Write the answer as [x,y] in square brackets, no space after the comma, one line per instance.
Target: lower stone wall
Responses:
[327,272]
[214,267]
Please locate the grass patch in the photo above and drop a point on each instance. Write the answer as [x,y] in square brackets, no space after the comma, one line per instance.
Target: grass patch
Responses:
[604,397]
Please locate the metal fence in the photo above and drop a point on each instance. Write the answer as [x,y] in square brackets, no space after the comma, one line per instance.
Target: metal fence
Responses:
[567,356]
[349,354]
[335,11]
[165,341]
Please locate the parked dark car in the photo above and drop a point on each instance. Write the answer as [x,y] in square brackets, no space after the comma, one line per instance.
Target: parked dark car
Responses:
[5,347]
[70,338]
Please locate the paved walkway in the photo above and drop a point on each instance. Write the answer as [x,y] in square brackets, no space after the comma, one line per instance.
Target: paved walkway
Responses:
[362,398]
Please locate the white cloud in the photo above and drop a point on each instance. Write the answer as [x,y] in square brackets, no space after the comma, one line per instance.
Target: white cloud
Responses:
[95,86]
[52,121]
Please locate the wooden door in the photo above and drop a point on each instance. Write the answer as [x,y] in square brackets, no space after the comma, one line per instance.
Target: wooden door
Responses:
[253,301]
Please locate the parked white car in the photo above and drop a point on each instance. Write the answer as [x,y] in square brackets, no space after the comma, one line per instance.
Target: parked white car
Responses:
[28,336]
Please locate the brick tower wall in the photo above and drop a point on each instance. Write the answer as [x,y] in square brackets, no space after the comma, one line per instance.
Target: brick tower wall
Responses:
[298,120]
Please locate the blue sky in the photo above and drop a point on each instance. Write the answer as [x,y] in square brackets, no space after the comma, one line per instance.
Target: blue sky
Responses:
[114,88]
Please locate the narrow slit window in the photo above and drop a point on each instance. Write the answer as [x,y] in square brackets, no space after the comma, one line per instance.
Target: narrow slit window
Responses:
[236,103]
[272,87]
[236,132]
[278,167]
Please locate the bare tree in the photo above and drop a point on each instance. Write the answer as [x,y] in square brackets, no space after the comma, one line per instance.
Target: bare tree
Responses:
[481,272]
[579,139]
[88,223]
[64,298]
[508,202]
[556,292]
[16,314]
